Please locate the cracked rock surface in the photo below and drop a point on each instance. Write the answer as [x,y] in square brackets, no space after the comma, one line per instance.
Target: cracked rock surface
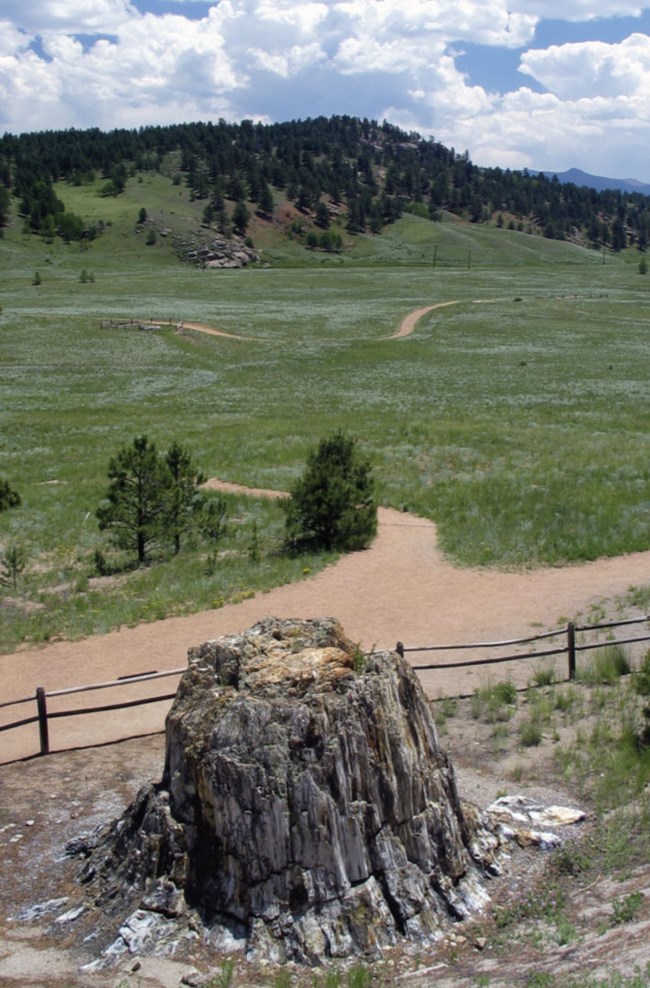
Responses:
[306,809]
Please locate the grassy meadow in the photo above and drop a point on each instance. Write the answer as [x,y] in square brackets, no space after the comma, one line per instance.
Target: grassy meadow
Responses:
[517,418]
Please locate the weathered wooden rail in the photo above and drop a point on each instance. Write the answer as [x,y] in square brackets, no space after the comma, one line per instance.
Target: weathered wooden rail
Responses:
[570,647]
[43,716]
[147,325]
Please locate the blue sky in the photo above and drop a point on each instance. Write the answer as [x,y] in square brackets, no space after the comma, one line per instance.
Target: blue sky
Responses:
[548,84]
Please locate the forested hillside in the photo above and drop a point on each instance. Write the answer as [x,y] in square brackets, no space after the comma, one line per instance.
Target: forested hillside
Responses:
[339,173]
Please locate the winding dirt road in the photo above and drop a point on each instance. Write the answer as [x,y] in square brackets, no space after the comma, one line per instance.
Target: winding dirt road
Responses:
[401,588]
[406,327]
[409,322]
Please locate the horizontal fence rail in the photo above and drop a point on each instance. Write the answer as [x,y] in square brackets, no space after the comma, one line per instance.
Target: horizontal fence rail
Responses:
[122,681]
[570,648]
[43,716]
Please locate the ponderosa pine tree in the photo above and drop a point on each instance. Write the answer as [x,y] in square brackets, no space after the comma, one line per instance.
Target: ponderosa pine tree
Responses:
[240,218]
[332,505]
[135,506]
[9,498]
[12,563]
[183,499]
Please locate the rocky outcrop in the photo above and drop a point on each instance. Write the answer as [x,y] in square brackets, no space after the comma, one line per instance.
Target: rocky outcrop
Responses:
[216,251]
[306,809]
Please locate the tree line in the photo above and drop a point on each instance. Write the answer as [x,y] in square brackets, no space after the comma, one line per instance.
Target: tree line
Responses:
[156,503]
[375,170]
[154,499]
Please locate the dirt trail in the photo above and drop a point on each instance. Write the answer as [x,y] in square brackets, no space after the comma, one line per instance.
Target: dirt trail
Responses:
[408,323]
[211,330]
[406,327]
[401,588]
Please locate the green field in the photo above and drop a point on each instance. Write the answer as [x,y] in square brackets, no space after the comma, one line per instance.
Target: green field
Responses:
[519,423]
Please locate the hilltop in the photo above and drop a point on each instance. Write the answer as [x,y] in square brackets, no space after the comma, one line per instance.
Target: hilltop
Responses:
[600,182]
[317,183]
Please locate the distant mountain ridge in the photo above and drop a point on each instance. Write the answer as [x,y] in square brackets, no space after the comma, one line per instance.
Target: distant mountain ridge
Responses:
[599,182]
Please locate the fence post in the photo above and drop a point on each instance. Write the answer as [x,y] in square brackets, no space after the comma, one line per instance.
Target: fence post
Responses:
[571,646]
[41,704]
[399,648]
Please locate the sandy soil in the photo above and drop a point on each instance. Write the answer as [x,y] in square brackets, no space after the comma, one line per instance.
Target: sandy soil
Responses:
[400,589]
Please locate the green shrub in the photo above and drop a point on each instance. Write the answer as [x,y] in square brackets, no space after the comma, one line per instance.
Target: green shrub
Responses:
[495,702]
[9,498]
[626,910]
[609,663]
[530,732]
[544,675]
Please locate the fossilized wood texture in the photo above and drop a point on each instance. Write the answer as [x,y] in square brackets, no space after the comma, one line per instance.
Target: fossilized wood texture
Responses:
[306,806]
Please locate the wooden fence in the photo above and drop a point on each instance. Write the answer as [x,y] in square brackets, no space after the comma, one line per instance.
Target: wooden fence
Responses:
[43,716]
[148,324]
[570,648]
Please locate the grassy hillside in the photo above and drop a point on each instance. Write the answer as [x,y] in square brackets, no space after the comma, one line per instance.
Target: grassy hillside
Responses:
[516,418]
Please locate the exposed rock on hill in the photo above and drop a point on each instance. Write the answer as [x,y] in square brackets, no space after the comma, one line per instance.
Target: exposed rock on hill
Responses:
[306,809]
[216,251]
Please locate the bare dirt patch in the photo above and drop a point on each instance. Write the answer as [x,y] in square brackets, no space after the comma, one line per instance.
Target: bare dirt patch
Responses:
[400,589]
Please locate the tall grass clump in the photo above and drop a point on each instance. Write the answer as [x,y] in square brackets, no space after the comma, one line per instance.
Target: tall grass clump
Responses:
[610,768]
[494,702]
[544,674]
[530,732]
[606,665]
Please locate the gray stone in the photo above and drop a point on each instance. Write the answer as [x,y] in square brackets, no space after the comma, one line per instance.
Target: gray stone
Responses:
[216,251]
[306,809]
[40,909]
[70,915]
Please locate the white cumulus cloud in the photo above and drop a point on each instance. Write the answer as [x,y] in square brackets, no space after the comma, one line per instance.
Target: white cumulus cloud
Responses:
[579,10]
[68,16]
[592,68]
[107,63]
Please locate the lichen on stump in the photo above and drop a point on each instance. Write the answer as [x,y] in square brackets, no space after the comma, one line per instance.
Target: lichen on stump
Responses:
[306,809]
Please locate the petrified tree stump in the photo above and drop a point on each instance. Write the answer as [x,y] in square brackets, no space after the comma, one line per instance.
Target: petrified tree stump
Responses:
[306,809]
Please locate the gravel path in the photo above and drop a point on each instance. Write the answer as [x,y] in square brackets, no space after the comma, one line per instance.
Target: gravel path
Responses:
[401,588]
